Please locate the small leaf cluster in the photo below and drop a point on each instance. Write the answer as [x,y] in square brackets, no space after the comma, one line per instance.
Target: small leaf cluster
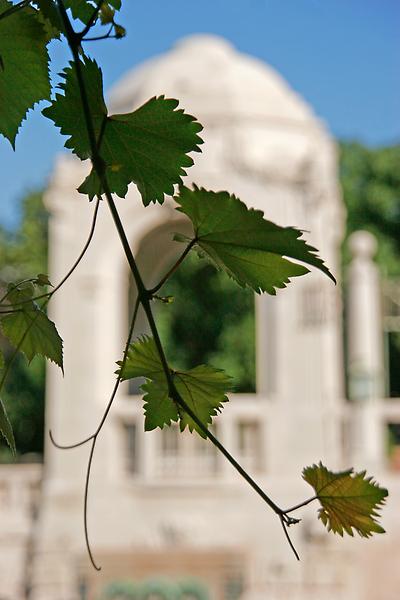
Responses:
[203,388]
[28,329]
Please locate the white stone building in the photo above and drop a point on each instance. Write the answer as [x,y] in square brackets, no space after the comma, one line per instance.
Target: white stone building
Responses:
[165,506]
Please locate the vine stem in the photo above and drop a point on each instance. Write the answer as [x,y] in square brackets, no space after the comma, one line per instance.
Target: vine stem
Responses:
[91,21]
[144,295]
[82,253]
[293,508]
[172,270]
[94,436]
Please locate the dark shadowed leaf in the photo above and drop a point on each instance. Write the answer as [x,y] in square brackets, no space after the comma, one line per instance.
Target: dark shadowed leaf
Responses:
[66,110]
[50,18]
[24,76]
[33,333]
[148,147]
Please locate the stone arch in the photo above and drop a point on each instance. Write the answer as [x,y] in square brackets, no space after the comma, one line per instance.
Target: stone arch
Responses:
[155,253]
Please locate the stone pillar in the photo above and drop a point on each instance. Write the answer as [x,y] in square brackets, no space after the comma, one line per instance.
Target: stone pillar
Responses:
[365,351]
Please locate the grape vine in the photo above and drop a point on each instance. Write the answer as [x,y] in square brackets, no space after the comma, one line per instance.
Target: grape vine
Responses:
[149,147]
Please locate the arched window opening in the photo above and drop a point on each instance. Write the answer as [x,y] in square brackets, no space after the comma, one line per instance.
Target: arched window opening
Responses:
[211,321]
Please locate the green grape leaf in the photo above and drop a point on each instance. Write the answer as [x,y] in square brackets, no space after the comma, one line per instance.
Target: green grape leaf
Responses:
[66,110]
[24,74]
[349,500]
[203,388]
[148,147]
[142,361]
[2,363]
[31,331]
[159,409]
[20,292]
[6,429]
[253,251]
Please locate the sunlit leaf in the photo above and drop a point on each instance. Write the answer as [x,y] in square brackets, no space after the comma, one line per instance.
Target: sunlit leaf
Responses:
[253,251]
[33,333]
[349,500]
[24,76]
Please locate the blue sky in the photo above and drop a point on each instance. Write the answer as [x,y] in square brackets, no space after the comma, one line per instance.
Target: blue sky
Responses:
[342,56]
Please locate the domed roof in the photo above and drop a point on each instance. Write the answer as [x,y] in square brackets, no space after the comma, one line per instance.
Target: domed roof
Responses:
[214,82]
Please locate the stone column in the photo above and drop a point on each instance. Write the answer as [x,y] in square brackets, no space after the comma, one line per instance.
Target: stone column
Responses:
[365,351]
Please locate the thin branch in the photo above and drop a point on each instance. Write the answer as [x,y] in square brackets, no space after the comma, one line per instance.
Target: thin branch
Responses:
[172,270]
[49,295]
[69,446]
[101,37]
[85,506]
[13,9]
[83,252]
[293,508]
[91,21]
[112,397]
[99,428]
[284,527]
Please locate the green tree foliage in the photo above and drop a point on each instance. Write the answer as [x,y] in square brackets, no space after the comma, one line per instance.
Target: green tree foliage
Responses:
[226,314]
[370,179]
[24,252]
